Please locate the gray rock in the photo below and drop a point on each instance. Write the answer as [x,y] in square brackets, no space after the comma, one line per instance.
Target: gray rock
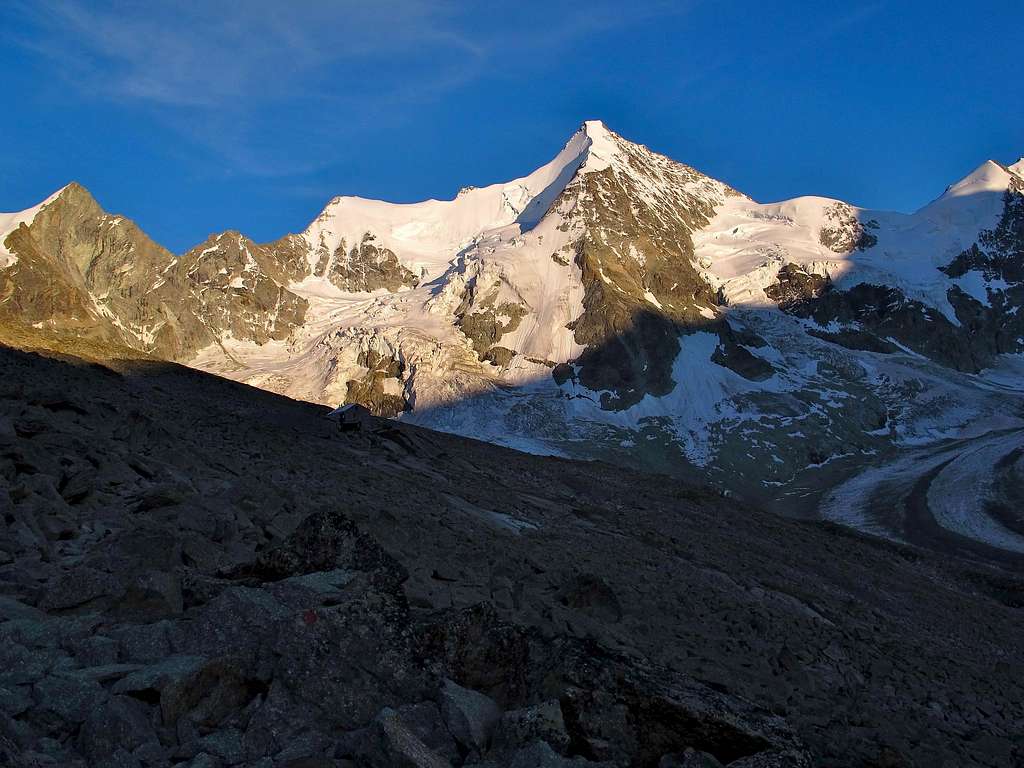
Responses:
[150,596]
[121,758]
[471,717]
[93,650]
[156,677]
[203,760]
[11,609]
[541,722]
[689,758]
[774,759]
[328,541]
[309,748]
[15,699]
[143,642]
[122,723]
[424,720]
[71,697]
[209,690]
[539,754]
[225,744]
[388,741]
[20,665]
[603,723]
[105,673]
[80,587]
[151,753]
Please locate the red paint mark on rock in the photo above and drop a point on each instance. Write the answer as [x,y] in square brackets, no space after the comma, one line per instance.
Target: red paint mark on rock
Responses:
[310,617]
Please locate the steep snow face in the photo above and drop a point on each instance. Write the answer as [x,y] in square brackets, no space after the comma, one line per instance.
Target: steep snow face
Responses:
[11,221]
[427,236]
[987,177]
[603,150]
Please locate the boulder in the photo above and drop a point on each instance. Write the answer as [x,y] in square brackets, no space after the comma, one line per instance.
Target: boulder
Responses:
[71,697]
[470,716]
[122,723]
[424,720]
[327,541]
[389,743]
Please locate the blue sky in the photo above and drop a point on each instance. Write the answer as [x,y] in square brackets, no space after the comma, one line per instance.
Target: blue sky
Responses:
[197,117]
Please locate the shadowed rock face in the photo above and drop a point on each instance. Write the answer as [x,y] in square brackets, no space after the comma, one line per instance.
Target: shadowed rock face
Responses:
[183,582]
[999,254]
[878,313]
[635,254]
[795,287]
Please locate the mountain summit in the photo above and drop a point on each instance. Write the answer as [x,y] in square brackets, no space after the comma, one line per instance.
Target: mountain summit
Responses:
[613,303]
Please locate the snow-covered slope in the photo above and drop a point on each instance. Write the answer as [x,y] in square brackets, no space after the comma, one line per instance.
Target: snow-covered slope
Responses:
[426,236]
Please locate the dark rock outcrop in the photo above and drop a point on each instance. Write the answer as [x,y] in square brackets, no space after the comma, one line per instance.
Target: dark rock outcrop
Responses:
[366,267]
[844,232]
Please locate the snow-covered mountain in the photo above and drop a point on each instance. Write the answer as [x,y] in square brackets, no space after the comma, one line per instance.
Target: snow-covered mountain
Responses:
[612,304]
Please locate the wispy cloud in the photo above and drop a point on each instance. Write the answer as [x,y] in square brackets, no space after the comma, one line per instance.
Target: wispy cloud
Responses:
[235,78]
[208,53]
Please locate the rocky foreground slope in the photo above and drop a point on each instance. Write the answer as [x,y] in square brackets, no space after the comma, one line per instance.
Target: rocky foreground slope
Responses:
[198,573]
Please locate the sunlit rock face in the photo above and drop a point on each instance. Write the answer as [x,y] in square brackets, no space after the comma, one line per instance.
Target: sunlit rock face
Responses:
[78,266]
